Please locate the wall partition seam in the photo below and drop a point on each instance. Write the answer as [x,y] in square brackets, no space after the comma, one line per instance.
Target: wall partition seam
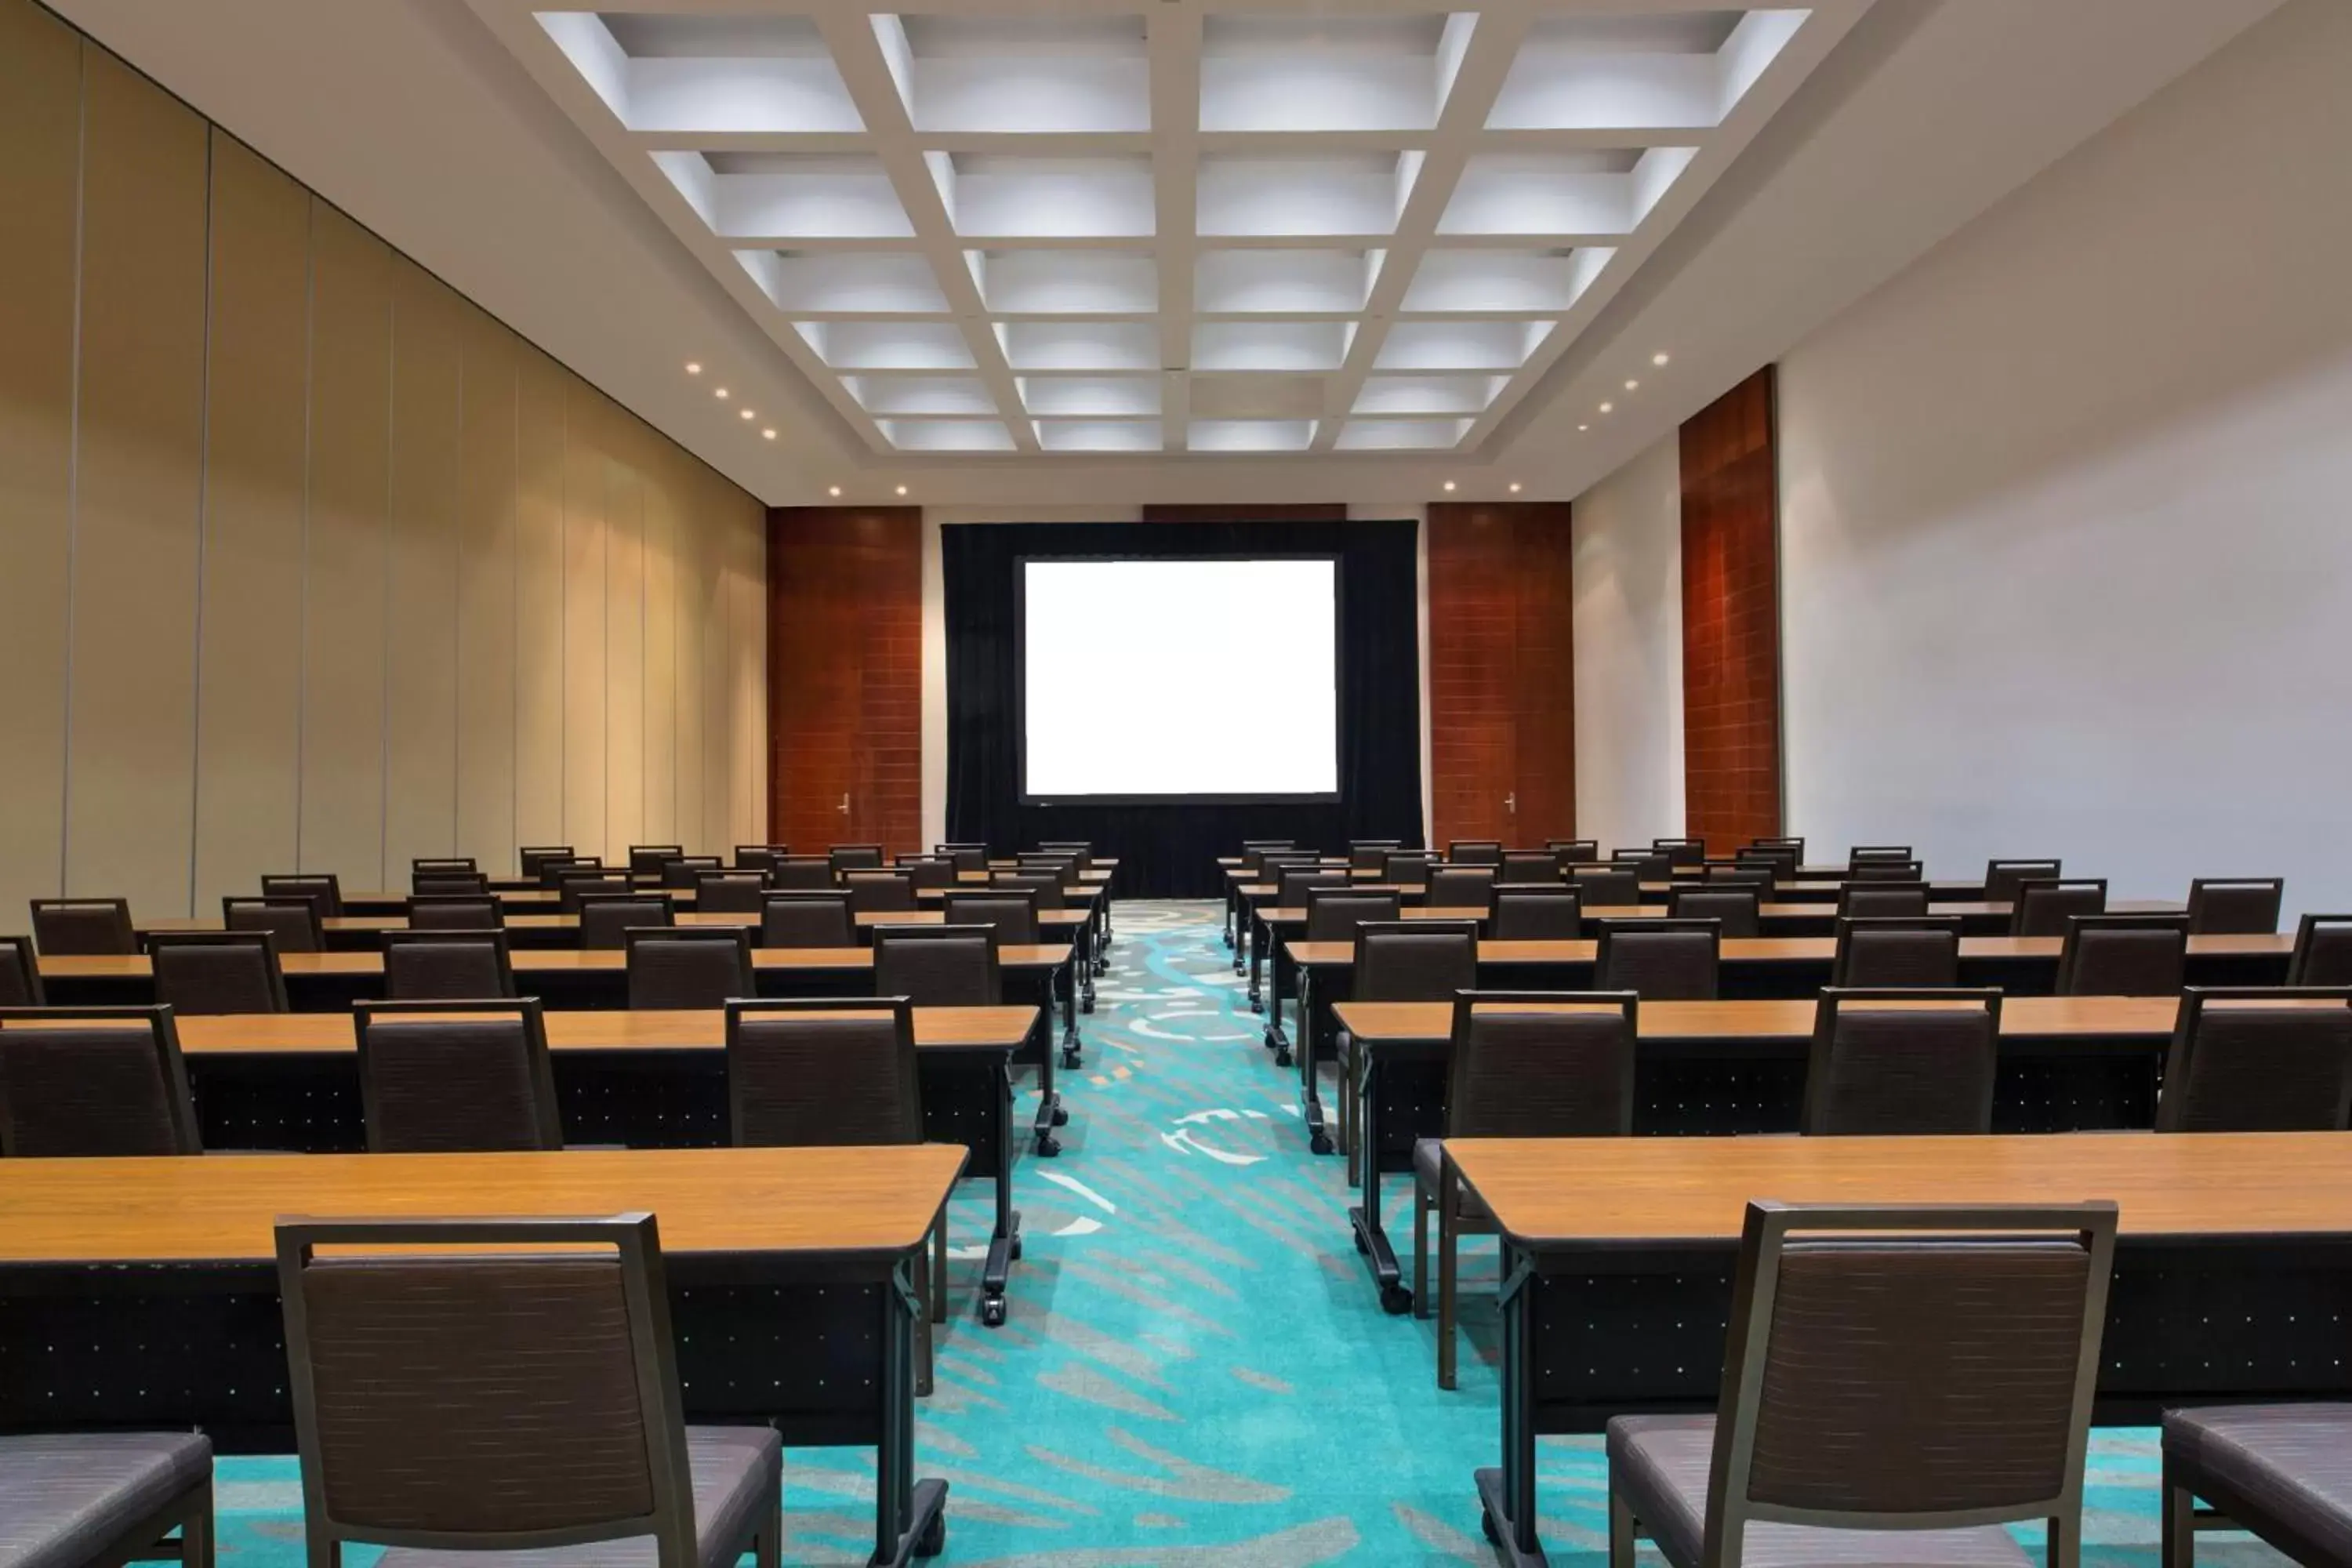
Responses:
[73,461]
[204,523]
[384,708]
[302,610]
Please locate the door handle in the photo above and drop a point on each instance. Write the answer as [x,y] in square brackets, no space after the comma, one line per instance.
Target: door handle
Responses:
[1511,802]
[843,807]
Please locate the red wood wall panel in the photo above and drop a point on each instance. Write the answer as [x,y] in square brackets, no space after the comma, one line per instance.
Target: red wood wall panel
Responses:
[1732,619]
[1502,720]
[845,675]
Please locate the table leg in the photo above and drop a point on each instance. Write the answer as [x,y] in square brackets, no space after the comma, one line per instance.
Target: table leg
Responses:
[1070,1058]
[1102,941]
[1233,933]
[1089,965]
[1276,1040]
[910,1516]
[1300,980]
[1051,1112]
[1506,1495]
[1258,940]
[1371,1240]
[1004,1241]
[1310,1092]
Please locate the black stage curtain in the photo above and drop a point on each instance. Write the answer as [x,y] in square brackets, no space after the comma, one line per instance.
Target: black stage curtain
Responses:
[1169,852]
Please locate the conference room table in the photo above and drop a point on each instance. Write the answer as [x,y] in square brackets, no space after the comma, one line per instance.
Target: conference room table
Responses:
[2232,1272]
[144,1292]
[2067,1064]
[645,1078]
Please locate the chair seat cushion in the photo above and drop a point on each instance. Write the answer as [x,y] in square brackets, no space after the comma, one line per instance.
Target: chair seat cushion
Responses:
[66,1497]
[1659,1465]
[738,1476]
[1428,1160]
[2290,1462]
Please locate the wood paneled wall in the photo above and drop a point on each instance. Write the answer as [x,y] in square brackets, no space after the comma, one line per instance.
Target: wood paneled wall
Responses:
[307,563]
[1732,619]
[1502,683]
[845,675]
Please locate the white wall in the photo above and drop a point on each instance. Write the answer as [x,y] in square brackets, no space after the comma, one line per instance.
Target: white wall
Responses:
[2067,552]
[1629,651]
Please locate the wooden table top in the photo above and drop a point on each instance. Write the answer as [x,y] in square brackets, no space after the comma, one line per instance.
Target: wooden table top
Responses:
[540,960]
[224,1207]
[571,922]
[607,1029]
[2020,1016]
[1554,1193]
[1796,950]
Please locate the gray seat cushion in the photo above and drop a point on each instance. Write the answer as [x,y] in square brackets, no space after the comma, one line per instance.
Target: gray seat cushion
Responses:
[1428,1158]
[738,1477]
[65,1497]
[1659,1465]
[2292,1463]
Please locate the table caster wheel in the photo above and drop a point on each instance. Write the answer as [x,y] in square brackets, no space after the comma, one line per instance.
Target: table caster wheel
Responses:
[1061,1116]
[1087,1006]
[1395,1301]
[1071,1060]
[1359,1244]
[991,1312]
[1320,1142]
[1012,1248]
[1256,1005]
[1282,1058]
[1048,1145]
[1486,1522]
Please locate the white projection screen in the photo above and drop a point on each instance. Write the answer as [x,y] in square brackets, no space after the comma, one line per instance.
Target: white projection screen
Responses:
[1180,680]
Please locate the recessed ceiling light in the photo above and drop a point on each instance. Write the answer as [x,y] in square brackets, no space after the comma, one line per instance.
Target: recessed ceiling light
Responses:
[1657,359]
[1633,387]
[718,391]
[1607,406]
[902,489]
[747,413]
[768,435]
[1584,427]
[692,368]
[1449,484]
[1515,490]
[833,490]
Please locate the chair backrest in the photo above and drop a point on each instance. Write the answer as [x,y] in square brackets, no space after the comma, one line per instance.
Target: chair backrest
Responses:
[1415,961]
[1460,887]
[1042,863]
[2235,906]
[1334,913]
[1606,887]
[680,873]
[1759,875]
[1861,1347]
[1897,950]
[451,912]
[448,1077]
[1297,882]
[1529,867]
[443,884]
[2124,955]
[217,972]
[1660,961]
[822,1071]
[802,874]
[293,921]
[1407,867]
[731,892]
[20,972]
[938,966]
[879,892]
[1902,1061]
[1646,865]
[1010,912]
[760,858]
[2001,877]
[1474,852]
[1536,914]
[571,887]
[443,866]
[605,917]
[1782,855]
[446,965]
[533,856]
[2323,951]
[1048,888]
[1574,851]
[321,888]
[2259,1059]
[84,927]
[1366,853]
[2044,905]
[1861,853]
[856,857]
[1886,871]
[553,1417]
[1882,901]
[1735,909]
[1083,851]
[807,920]
[965,857]
[1794,846]
[1538,1064]
[1682,851]
[92,1081]
[553,869]
[927,870]
[689,966]
[1271,864]
[651,857]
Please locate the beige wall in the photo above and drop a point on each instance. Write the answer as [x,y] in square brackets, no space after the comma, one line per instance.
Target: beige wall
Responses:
[305,562]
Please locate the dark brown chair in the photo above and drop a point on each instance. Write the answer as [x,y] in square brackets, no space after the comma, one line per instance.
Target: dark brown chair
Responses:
[2001,877]
[1644,865]
[1902,1061]
[1474,852]
[2124,955]
[98,1499]
[760,858]
[1883,901]
[927,871]
[1783,859]
[1367,854]
[443,866]
[647,860]
[1897,1384]
[470,884]
[807,920]
[1792,847]
[1011,913]
[938,966]
[1334,913]
[1297,882]
[1254,852]
[293,921]
[448,912]
[1681,853]
[571,887]
[1410,960]
[1861,853]
[856,857]
[1660,961]
[879,892]
[446,965]
[20,973]
[1037,863]
[1574,851]
[1524,1064]
[2283,1471]
[731,892]
[965,857]
[92,1081]
[1048,888]
[1084,853]
[1407,867]
[2235,906]
[2323,951]
[1914,951]
[1760,875]
[552,1420]
[2249,1059]
[217,972]
[1606,887]
[1736,910]
[1460,887]
[553,871]
[1536,914]
[84,928]
[606,918]
[2044,906]
[680,873]
[321,888]
[454,1076]
[689,966]
[1530,868]
[803,874]
[1886,871]
[533,857]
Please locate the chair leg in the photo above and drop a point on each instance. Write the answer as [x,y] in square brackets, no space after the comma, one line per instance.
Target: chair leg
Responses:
[1419,1248]
[2178,1538]
[1621,1530]
[2065,1547]
[196,1531]
[767,1546]
[1449,1251]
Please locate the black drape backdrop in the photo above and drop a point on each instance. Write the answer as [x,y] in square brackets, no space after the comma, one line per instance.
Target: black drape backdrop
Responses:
[1169,852]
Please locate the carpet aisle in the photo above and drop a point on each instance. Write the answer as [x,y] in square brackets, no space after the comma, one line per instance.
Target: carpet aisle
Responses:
[1196,1371]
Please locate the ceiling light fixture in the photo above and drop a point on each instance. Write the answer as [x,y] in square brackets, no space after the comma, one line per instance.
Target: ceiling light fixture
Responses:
[833,490]
[693,368]
[1607,408]
[1515,490]
[1449,484]
[1633,387]
[902,489]
[1584,427]
[718,391]
[767,434]
[1657,359]
[747,413]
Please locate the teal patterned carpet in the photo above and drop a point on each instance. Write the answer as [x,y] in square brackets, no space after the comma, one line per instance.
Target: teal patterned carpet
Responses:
[1196,1371]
